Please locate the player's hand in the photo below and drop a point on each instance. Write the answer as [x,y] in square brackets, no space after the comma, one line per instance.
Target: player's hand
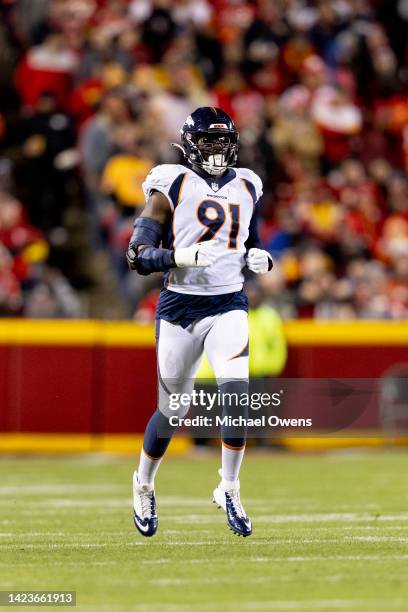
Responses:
[259,261]
[200,255]
[131,255]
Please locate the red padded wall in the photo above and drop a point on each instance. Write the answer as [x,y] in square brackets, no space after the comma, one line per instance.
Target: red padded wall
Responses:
[343,361]
[50,389]
[129,389]
[4,404]
[112,389]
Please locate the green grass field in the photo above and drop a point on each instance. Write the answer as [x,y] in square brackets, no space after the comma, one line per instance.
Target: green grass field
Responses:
[330,533]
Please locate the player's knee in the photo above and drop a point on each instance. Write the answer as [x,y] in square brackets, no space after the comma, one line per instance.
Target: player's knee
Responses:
[173,408]
[174,403]
[234,369]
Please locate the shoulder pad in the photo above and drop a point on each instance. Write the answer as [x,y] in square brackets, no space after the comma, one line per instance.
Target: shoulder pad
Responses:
[161,178]
[248,175]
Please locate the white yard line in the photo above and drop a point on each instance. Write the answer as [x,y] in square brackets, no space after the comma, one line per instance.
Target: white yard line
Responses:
[55,489]
[253,543]
[120,544]
[36,534]
[323,604]
[402,557]
[305,518]
[277,542]
[233,580]
[312,604]
[290,559]
[376,539]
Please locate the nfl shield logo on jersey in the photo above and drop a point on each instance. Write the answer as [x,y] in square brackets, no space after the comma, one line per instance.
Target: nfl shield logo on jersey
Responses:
[214,186]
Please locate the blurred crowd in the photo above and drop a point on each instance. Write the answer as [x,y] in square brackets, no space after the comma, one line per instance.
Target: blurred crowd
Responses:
[94,92]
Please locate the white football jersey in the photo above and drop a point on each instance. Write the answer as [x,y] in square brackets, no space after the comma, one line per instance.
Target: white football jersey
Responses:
[205,209]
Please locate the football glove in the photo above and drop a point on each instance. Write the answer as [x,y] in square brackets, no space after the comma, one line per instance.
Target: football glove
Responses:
[131,255]
[259,261]
[200,255]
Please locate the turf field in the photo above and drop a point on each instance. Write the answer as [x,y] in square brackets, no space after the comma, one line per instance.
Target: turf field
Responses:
[330,533]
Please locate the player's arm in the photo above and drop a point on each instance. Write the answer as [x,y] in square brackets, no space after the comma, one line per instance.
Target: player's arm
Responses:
[144,253]
[257,259]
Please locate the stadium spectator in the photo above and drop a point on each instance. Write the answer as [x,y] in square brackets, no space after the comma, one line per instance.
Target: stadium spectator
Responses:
[48,67]
[28,286]
[318,92]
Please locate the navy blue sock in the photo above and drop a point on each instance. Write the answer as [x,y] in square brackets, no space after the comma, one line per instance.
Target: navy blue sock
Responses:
[157,436]
[234,396]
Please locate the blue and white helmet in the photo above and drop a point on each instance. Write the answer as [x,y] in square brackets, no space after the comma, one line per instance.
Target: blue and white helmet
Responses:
[210,140]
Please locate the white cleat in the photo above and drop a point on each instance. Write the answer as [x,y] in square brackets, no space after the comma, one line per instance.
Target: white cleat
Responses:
[227,497]
[144,508]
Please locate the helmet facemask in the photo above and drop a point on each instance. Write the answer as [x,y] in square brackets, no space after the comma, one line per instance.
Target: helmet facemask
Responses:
[213,151]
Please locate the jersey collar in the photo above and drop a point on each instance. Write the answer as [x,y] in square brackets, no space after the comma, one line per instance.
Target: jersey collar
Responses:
[216,183]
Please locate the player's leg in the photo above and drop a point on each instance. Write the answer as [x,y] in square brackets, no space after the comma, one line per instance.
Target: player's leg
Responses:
[179,352]
[226,346]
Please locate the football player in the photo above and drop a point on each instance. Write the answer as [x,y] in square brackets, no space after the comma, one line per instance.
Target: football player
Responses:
[199,227]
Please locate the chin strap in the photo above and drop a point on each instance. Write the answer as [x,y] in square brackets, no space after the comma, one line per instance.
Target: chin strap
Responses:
[217,173]
[178,146]
[203,172]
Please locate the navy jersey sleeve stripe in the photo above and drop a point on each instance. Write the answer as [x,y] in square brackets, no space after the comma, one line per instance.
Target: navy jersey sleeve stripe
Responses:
[251,189]
[175,189]
[253,240]
[167,241]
